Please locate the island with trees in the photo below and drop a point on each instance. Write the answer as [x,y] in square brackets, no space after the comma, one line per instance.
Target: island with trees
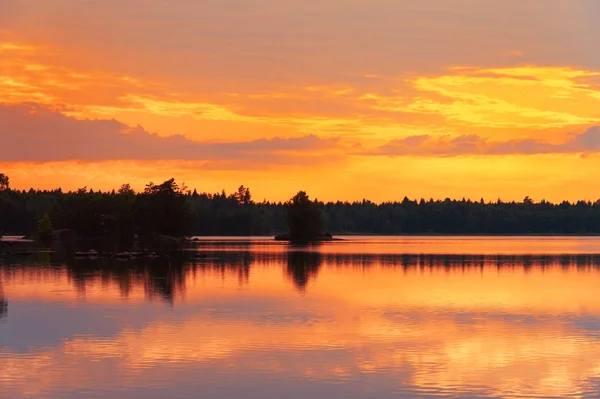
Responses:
[305,221]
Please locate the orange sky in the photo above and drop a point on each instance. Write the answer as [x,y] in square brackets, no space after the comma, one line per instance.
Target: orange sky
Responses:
[347,99]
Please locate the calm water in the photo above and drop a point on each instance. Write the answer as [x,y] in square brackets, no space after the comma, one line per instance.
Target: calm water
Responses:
[362,318]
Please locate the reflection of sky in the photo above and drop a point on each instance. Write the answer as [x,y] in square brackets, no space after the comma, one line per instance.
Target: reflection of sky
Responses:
[36,324]
[420,245]
[378,332]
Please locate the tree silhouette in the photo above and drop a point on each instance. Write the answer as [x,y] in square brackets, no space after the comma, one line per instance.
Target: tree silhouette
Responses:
[162,210]
[242,196]
[45,228]
[4,182]
[126,189]
[305,219]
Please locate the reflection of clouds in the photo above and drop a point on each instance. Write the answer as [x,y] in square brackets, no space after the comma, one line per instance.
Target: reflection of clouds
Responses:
[502,357]
[508,359]
[503,332]
[156,345]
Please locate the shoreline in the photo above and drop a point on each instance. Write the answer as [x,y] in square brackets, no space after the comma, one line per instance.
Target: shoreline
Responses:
[471,235]
[15,239]
[417,235]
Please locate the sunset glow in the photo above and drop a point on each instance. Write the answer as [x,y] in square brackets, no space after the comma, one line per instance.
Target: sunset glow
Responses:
[376,100]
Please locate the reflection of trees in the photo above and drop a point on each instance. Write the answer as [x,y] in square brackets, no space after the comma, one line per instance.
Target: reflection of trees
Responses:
[225,263]
[166,278]
[302,266]
[3,302]
[162,278]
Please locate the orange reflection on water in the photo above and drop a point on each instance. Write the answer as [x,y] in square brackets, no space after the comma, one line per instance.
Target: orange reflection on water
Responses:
[486,328]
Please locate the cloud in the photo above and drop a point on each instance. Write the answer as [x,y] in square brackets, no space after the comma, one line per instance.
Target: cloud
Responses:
[471,144]
[276,40]
[34,133]
[15,47]
[478,98]
[521,97]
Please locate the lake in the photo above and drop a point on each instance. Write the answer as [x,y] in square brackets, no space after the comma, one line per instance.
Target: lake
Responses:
[367,317]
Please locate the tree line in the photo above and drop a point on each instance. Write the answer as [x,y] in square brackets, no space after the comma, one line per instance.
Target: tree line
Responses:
[171,209]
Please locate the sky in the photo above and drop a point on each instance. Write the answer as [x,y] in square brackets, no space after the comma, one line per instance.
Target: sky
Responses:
[346,99]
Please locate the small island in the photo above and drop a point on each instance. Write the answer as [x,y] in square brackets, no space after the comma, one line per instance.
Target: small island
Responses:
[305,221]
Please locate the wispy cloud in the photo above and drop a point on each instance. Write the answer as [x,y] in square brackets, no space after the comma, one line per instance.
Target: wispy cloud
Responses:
[427,145]
[506,98]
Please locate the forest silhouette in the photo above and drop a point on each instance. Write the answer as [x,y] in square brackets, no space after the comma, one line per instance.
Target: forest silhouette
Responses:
[170,209]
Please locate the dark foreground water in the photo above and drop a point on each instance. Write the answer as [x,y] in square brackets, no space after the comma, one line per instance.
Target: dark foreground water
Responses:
[363,318]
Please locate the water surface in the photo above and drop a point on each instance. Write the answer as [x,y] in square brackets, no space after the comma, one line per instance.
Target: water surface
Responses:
[368,317]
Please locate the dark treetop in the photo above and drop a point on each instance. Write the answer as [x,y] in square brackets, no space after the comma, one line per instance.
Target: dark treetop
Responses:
[305,220]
